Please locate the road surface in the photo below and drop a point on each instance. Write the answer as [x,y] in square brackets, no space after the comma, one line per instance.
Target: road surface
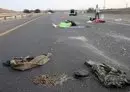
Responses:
[109,43]
[8,24]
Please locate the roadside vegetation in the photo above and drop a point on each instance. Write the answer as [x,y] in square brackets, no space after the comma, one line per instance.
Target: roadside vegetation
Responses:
[31,11]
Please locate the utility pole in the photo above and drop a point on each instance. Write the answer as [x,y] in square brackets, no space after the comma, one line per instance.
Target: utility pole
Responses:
[104,4]
[126,5]
[126,2]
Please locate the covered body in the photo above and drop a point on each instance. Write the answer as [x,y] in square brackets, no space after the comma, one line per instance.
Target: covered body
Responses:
[107,75]
[28,62]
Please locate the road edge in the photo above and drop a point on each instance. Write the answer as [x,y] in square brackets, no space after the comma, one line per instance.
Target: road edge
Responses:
[16,27]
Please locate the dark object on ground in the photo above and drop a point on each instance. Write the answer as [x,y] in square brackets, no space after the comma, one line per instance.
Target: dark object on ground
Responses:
[7,63]
[92,19]
[72,22]
[81,74]
[97,15]
[107,75]
[20,63]
[73,12]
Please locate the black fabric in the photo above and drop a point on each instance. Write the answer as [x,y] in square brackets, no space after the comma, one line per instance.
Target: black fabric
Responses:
[72,22]
[72,11]
[7,63]
[97,15]
[92,19]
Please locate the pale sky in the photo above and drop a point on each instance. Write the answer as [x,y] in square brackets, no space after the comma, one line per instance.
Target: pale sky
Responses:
[60,4]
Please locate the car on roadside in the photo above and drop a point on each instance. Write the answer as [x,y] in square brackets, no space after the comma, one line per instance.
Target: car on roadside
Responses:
[73,12]
[49,11]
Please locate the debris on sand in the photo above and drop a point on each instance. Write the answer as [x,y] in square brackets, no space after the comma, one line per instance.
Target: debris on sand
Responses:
[22,64]
[107,75]
[81,74]
[48,80]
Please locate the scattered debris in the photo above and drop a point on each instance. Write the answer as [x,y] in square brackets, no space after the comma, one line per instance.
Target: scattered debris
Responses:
[51,80]
[62,78]
[81,74]
[44,79]
[107,75]
[20,63]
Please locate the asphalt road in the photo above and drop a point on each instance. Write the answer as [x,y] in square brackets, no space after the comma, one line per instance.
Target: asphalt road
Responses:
[8,24]
[109,43]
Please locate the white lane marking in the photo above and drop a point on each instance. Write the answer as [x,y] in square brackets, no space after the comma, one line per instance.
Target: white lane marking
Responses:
[114,35]
[122,37]
[81,38]
[13,29]
[97,51]
[118,20]
[101,53]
